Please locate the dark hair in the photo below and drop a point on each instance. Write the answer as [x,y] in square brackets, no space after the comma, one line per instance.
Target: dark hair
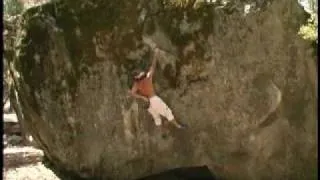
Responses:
[136,72]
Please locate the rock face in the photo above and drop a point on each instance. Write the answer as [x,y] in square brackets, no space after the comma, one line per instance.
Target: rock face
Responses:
[245,83]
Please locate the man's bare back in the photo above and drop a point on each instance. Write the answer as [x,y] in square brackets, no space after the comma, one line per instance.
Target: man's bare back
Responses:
[145,87]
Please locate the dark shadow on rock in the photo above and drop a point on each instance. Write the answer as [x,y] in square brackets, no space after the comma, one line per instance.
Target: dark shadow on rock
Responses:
[184,173]
[69,175]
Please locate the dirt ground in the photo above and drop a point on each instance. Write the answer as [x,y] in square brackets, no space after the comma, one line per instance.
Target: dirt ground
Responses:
[24,163]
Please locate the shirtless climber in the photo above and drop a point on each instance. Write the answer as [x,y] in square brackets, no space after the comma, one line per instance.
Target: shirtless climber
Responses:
[143,89]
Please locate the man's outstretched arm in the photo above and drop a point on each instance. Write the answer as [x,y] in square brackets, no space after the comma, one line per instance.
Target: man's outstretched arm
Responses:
[154,62]
[133,92]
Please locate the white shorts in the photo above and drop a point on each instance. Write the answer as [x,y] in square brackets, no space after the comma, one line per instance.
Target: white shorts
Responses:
[158,107]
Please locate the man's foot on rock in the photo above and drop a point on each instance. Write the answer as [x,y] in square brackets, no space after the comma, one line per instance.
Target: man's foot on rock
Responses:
[182,126]
[179,125]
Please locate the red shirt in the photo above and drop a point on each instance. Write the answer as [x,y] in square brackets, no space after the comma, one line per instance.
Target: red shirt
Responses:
[145,87]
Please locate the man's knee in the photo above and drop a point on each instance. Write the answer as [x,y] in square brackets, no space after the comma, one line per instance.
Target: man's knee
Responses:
[157,122]
[169,115]
[171,118]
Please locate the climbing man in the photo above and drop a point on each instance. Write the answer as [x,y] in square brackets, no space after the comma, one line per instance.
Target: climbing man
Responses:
[143,89]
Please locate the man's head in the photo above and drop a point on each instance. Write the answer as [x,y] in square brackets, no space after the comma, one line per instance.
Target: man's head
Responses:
[139,74]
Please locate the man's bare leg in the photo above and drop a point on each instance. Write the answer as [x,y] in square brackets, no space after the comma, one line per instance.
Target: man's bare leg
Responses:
[177,125]
[164,132]
[164,129]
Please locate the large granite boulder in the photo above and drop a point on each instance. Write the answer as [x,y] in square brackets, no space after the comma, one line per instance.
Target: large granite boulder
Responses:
[237,73]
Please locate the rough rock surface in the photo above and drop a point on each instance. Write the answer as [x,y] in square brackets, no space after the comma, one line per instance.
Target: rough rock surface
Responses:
[244,83]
